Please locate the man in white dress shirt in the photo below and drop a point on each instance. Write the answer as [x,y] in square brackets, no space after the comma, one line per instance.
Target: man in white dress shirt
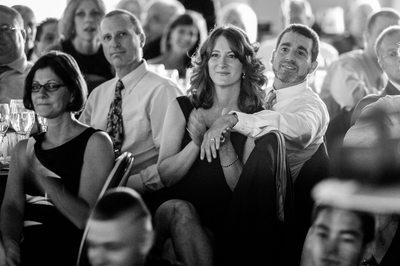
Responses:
[145,97]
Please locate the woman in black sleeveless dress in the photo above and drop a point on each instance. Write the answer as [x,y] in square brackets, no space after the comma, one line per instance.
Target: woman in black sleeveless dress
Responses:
[227,76]
[54,177]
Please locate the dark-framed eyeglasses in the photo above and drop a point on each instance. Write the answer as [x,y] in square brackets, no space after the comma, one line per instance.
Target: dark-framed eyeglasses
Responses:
[7,28]
[49,86]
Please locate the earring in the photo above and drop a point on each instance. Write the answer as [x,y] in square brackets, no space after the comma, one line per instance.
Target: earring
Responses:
[243,75]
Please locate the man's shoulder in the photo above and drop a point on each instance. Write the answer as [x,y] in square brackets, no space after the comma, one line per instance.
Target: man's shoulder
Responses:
[157,81]
[100,90]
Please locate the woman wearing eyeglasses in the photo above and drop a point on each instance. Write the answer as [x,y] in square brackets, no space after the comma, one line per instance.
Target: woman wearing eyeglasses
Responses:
[55,176]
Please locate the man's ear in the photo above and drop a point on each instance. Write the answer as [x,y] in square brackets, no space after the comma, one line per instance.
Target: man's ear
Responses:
[142,40]
[313,66]
[23,33]
[272,57]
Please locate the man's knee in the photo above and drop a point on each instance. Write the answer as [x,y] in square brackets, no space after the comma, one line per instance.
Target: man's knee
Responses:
[180,213]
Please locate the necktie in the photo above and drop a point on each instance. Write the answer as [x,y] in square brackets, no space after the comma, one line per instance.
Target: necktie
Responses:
[4,69]
[271,99]
[114,119]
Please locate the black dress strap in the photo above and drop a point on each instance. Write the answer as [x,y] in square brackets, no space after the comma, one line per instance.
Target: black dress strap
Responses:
[186,106]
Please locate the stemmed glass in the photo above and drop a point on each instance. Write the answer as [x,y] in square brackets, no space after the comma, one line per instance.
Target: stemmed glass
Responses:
[4,119]
[21,119]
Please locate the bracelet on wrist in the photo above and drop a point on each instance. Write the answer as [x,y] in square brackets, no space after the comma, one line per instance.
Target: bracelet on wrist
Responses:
[230,164]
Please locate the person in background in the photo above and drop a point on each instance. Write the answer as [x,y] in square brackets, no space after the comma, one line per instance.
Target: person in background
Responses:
[131,107]
[49,193]
[207,8]
[136,7]
[30,27]
[120,232]
[13,62]
[181,38]
[354,75]
[46,35]
[79,28]
[387,50]
[355,22]
[338,236]
[242,16]
[226,75]
[156,18]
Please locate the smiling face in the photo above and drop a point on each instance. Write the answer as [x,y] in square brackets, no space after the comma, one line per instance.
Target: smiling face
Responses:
[291,61]
[50,104]
[183,38]
[335,238]
[87,20]
[224,67]
[121,44]
[389,56]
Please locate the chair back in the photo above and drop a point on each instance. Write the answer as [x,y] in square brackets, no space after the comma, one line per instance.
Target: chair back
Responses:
[118,177]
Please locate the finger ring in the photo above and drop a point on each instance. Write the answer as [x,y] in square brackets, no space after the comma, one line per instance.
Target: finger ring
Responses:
[213,139]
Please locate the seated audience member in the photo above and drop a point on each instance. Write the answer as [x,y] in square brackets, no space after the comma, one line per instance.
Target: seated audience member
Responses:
[79,27]
[298,11]
[13,63]
[338,237]
[226,75]
[46,35]
[387,50]
[242,16]
[184,34]
[207,8]
[136,7]
[354,75]
[157,15]
[49,192]
[356,16]
[292,107]
[120,230]
[30,27]
[131,107]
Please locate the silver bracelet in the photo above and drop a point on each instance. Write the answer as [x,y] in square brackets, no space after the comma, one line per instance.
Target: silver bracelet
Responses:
[234,161]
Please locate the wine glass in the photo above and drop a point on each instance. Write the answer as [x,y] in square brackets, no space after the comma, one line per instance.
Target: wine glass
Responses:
[21,119]
[4,119]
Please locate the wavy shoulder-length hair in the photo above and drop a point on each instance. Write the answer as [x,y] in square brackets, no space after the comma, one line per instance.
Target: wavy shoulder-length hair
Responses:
[251,94]
[66,25]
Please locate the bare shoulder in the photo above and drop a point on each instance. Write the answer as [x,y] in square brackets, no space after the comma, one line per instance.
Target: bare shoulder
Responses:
[99,140]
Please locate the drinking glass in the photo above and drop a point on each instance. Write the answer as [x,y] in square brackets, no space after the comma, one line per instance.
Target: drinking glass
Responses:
[21,119]
[4,119]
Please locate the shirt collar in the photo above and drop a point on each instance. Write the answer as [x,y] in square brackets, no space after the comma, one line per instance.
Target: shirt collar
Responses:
[135,76]
[291,91]
[396,85]
[20,64]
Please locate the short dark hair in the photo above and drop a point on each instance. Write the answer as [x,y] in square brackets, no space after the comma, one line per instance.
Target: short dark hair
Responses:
[384,12]
[137,27]
[67,69]
[367,221]
[306,32]
[39,28]
[119,201]
[251,93]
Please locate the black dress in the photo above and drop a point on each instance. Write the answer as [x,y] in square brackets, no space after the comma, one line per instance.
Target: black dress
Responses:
[51,239]
[95,65]
[204,185]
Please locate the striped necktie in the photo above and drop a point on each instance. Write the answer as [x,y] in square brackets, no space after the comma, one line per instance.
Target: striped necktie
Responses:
[271,99]
[114,119]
